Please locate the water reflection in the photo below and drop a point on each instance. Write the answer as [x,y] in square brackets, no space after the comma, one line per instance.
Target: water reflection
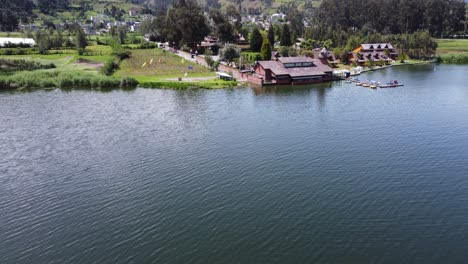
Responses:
[292,89]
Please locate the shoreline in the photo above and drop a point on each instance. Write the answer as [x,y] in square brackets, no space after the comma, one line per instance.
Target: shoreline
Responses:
[213,83]
[397,65]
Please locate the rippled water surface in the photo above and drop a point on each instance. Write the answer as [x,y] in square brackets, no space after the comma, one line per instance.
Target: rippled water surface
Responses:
[329,173]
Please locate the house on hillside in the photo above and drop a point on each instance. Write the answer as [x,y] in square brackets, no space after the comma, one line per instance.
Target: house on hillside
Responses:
[293,70]
[373,52]
[209,41]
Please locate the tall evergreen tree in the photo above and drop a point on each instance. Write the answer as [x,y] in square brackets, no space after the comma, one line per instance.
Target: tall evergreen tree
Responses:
[80,40]
[285,39]
[256,40]
[266,50]
[271,35]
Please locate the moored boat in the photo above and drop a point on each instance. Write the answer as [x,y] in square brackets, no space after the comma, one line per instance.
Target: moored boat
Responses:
[391,84]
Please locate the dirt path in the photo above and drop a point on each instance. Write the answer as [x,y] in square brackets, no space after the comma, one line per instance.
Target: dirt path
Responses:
[88,64]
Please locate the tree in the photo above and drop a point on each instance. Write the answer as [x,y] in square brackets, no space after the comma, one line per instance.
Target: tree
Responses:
[80,40]
[229,53]
[58,40]
[49,6]
[222,28]
[285,39]
[266,50]
[271,36]
[8,20]
[43,41]
[122,33]
[256,40]
[233,15]
[295,18]
[403,57]
[185,24]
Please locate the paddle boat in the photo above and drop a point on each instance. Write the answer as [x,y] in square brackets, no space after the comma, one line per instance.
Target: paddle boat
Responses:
[391,84]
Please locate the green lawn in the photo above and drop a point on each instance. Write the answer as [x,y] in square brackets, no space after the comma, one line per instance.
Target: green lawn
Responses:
[67,59]
[165,65]
[452,47]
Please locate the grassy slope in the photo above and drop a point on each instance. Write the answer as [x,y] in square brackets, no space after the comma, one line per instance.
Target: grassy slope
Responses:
[171,66]
[163,74]
[449,47]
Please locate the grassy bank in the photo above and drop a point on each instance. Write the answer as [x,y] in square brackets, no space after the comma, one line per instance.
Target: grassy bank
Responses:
[453,51]
[63,79]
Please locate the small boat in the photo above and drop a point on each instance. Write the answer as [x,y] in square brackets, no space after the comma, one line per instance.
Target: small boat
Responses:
[374,84]
[359,84]
[391,84]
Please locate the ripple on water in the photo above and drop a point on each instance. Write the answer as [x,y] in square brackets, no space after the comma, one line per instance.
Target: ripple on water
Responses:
[327,174]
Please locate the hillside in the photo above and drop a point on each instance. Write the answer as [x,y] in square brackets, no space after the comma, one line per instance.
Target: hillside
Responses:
[28,10]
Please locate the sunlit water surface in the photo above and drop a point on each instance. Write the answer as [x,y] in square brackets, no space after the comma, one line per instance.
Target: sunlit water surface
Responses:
[329,173]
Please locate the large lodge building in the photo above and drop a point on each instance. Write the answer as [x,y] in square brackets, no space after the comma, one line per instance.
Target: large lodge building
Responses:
[293,70]
[373,52]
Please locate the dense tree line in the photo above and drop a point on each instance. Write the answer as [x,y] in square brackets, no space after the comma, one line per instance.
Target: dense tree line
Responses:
[114,12]
[13,11]
[439,17]
[50,6]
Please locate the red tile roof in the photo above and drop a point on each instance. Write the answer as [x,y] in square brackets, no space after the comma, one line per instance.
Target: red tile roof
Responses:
[274,66]
[277,67]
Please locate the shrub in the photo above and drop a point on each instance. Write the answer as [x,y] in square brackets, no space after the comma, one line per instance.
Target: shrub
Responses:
[74,79]
[109,67]
[230,52]
[147,45]
[122,54]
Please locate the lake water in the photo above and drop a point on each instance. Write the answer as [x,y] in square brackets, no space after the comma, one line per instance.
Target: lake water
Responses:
[330,173]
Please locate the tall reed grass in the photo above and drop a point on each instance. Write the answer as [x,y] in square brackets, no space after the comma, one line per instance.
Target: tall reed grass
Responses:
[61,79]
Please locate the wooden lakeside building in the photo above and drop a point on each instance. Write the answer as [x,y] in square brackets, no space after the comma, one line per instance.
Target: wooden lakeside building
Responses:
[373,52]
[291,70]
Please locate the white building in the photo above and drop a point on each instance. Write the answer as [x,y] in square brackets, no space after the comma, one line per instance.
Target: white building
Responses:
[17,41]
[276,18]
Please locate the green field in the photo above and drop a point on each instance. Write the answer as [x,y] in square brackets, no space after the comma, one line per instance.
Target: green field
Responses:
[67,59]
[453,51]
[166,70]
[452,47]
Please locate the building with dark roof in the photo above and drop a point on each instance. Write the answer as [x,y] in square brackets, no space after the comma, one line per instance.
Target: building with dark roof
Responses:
[293,70]
[326,56]
[373,52]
